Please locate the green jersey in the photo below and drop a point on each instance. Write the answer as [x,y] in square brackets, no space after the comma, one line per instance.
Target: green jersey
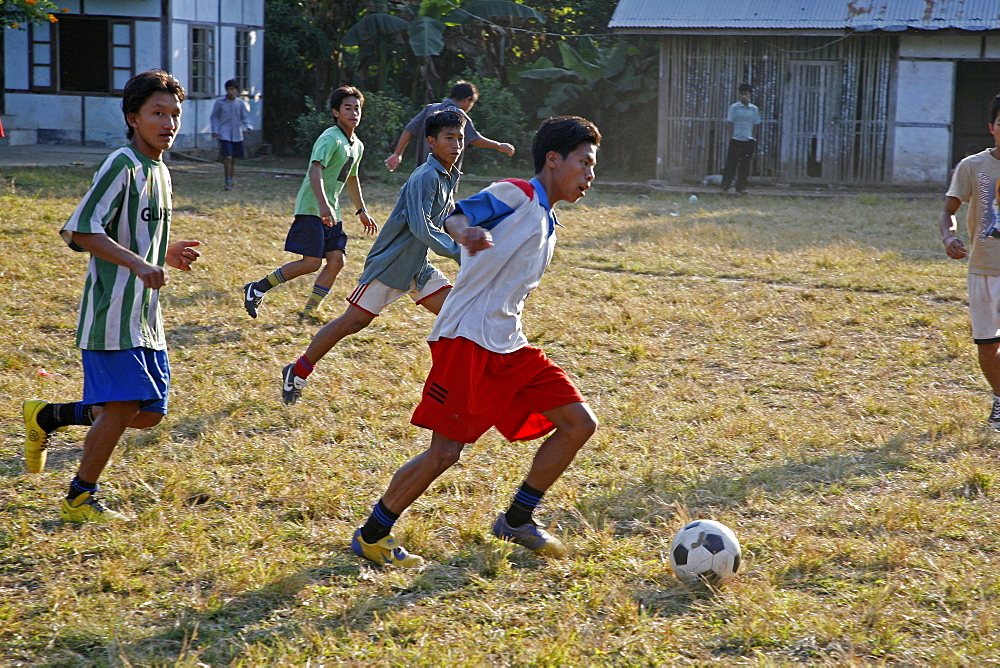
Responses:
[129,200]
[340,157]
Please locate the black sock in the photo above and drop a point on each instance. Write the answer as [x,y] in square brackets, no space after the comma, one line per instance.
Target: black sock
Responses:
[79,486]
[379,524]
[524,504]
[46,418]
[53,416]
[75,412]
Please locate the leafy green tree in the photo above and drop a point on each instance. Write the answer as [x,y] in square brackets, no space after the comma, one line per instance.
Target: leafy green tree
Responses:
[19,13]
[433,28]
[303,59]
[578,17]
[614,86]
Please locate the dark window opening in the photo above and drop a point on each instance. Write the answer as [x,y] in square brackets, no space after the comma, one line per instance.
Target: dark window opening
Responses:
[83,55]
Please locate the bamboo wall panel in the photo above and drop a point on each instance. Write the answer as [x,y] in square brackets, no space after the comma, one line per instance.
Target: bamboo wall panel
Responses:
[846,104]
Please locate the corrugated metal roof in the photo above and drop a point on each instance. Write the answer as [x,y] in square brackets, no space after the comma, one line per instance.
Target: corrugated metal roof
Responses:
[862,15]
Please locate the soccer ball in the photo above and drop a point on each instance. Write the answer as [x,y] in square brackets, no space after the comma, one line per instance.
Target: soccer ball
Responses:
[705,550]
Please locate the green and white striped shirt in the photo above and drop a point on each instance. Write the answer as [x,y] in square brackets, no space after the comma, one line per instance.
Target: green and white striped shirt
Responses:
[129,200]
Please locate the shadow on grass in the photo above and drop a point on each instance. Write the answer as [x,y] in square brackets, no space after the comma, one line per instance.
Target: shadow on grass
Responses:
[855,470]
[64,450]
[221,633]
[198,333]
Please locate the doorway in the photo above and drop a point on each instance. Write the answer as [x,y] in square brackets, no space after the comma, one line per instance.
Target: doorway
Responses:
[976,83]
[809,121]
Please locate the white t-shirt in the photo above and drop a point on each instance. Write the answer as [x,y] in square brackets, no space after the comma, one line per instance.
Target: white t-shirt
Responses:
[975,181]
[486,303]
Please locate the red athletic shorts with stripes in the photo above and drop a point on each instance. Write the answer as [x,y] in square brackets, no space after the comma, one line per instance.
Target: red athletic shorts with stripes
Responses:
[470,389]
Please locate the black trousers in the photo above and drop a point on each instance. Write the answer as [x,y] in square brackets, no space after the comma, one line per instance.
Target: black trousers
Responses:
[738,163]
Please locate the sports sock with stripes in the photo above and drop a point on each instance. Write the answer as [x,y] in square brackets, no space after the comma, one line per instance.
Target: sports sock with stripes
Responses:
[53,416]
[275,278]
[303,367]
[316,297]
[524,504]
[379,524]
[80,486]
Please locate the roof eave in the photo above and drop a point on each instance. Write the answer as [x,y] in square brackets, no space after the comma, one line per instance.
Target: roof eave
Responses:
[801,32]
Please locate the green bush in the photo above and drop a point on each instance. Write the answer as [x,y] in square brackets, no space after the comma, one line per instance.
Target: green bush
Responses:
[497,115]
[382,119]
[311,125]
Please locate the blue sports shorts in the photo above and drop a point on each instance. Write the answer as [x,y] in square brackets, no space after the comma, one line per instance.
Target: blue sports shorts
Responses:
[135,374]
[310,237]
[231,149]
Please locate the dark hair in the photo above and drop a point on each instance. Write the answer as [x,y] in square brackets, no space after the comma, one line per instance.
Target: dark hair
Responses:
[463,90]
[745,88]
[140,87]
[562,134]
[231,84]
[440,120]
[994,108]
[337,98]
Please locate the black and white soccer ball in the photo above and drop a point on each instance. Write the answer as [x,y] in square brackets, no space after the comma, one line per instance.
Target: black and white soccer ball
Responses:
[705,551]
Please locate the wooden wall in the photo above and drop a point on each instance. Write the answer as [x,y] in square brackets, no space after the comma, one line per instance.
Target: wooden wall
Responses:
[825,105]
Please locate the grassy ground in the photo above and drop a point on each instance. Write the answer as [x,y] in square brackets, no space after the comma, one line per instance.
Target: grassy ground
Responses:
[798,369]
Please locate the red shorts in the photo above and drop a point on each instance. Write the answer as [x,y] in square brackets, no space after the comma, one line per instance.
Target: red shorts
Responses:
[470,389]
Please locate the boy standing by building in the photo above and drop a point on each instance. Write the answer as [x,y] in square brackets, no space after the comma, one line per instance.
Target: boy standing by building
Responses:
[743,117]
[461,99]
[124,223]
[230,119]
[977,180]
[318,230]
[397,263]
[483,373]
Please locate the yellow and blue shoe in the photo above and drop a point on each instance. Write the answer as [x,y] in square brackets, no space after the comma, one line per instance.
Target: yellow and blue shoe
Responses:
[87,508]
[531,536]
[385,552]
[36,439]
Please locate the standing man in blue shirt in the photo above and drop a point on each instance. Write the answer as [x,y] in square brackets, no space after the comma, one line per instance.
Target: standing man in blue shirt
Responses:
[397,263]
[743,116]
[230,119]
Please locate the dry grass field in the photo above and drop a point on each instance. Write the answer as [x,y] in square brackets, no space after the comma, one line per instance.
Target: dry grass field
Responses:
[799,369]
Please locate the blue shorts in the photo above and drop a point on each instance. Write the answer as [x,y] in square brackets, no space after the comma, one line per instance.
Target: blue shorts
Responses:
[135,374]
[231,149]
[308,236]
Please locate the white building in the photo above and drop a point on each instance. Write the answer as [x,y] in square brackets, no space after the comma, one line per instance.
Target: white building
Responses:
[62,82]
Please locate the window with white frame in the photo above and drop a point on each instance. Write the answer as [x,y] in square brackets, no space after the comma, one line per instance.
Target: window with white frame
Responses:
[202,61]
[244,40]
[82,54]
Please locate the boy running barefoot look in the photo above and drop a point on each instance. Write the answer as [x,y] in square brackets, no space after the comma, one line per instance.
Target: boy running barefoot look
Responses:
[124,223]
[317,231]
[483,373]
[397,262]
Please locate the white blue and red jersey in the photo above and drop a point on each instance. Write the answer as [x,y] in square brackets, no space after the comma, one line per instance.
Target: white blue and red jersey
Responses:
[486,303]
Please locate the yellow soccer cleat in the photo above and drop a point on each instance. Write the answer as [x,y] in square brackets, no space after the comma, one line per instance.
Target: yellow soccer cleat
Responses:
[87,508]
[385,552]
[36,439]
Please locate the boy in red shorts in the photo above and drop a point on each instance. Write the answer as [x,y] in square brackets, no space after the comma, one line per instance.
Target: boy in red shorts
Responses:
[483,373]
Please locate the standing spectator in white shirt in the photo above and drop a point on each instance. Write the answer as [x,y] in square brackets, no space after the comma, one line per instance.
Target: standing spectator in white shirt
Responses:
[743,116]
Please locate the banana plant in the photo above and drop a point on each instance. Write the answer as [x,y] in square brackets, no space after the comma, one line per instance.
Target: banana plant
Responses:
[593,80]
[426,30]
